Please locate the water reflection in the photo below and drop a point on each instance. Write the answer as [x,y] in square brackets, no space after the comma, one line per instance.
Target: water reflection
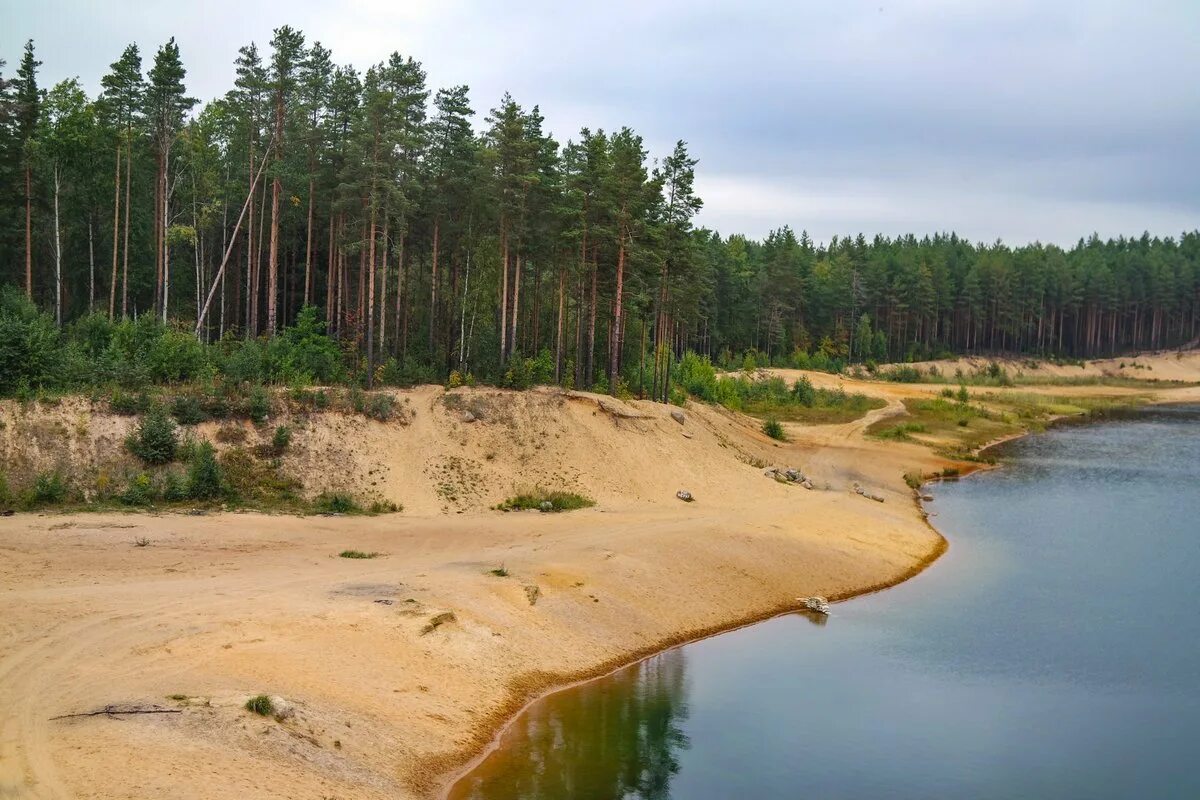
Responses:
[619,736]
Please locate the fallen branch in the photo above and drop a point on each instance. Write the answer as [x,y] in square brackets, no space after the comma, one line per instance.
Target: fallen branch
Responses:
[111,711]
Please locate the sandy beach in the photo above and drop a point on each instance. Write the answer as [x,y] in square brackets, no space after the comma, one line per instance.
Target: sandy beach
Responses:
[397,670]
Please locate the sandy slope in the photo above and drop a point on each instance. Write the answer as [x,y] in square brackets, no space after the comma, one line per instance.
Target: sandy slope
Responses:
[221,607]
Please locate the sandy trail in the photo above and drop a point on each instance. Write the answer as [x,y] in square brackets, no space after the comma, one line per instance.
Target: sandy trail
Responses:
[221,607]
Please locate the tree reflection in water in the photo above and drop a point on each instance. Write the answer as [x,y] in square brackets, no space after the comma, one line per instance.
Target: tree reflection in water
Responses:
[616,737]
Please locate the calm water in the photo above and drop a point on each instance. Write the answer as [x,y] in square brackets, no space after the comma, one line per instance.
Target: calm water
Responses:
[1054,652]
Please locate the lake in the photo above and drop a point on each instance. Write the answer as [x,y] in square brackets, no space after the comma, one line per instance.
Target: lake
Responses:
[1053,652]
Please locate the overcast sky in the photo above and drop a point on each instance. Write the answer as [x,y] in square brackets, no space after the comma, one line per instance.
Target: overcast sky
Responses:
[1013,119]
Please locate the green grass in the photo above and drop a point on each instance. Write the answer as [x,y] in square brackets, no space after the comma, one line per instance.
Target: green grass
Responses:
[902,432]
[357,554]
[261,705]
[545,500]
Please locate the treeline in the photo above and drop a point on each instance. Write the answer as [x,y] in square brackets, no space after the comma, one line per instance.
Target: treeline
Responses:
[429,247]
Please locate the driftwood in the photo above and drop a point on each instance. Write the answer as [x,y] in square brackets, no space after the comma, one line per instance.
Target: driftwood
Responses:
[112,711]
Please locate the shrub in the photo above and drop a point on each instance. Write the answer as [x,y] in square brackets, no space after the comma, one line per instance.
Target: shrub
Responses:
[29,343]
[260,705]
[804,392]
[379,406]
[128,403]
[259,408]
[772,428]
[913,479]
[175,356]
[335,503]
[205,479]
[140,492]
[282,439]
[544,500]
[155,440]
[174,487]
[187,410]
[49,488]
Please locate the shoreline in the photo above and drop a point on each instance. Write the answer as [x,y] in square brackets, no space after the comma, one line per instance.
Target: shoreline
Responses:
[494,742]
[512,713]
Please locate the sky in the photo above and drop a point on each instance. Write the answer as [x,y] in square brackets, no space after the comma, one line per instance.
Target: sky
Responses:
[998,119]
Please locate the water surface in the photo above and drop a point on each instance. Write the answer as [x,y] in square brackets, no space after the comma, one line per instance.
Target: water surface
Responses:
[1053,652]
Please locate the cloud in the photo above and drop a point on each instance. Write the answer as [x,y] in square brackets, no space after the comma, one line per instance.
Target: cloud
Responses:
[1000,118]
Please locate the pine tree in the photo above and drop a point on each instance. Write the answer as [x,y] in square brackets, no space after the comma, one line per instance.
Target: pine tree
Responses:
[122,100]
[166,105]
[28,111]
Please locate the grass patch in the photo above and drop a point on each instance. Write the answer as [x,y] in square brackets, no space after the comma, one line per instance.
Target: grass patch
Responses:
[261,705]
[902,432]
[544,500]
[336,503]
[357,554]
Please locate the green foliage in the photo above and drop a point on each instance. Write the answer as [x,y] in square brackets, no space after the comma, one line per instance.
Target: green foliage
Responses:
[537,498]
[188,410]
[140,492]
[379,406]
[206,480]
[128,403]
[357,554]
[261,705]
[29,343]
[259,408]
[49,488]
[336,503]
[902,431]
[156,438]
[773,428]
[282,439]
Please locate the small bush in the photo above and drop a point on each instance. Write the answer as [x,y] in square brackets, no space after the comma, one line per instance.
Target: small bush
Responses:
[261,705]
[128,403]
[259,408]
[357,554]
[140,492]
[772,428]
[913,479]
[379,406]
[155,440]
[174,488]
[499,572]
[205,479]
[385,507]
[49,488]
[282,439]
[187,410]
[336,503]
[543,500]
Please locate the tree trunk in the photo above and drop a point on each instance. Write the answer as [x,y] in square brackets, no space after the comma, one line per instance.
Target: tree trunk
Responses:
[273,260]
[614,358]
[308,244]
[503,291]
[57,252]
[516,305]
[112,287]
[371,302]
[558,337]
[433,282]
[125,244]
[91,270]
[29,231]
